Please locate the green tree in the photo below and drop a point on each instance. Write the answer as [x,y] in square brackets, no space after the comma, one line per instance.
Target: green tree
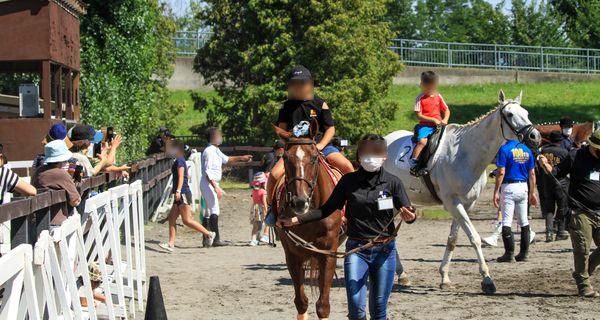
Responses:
[536,24]
[582,19]
[402,18]
[255,43]
[127,58]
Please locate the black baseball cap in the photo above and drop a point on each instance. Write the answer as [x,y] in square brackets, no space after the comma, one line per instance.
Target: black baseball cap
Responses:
[299,73]
[556,136]
[566,122]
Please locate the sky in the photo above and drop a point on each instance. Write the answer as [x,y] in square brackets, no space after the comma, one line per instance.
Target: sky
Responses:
[180,6]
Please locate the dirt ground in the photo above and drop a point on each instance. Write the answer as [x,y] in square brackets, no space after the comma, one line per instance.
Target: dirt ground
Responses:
[242,282]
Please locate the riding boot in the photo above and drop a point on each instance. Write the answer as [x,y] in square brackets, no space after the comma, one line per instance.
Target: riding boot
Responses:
[524,252]
[205,224]
[214,227]
[509,246]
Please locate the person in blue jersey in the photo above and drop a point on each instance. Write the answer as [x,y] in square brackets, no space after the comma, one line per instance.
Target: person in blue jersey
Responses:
[515,189]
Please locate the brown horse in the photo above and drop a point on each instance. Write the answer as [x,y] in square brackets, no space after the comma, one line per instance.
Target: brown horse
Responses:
[581,131]
[307,184]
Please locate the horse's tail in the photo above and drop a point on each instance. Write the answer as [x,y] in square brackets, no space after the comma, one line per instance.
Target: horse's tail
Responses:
[311,267]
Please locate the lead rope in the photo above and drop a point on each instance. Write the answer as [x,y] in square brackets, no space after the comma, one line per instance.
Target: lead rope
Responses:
[299,242]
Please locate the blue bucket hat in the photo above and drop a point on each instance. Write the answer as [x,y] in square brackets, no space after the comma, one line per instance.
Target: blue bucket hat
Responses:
[98,136]
[58,132]
[56,151]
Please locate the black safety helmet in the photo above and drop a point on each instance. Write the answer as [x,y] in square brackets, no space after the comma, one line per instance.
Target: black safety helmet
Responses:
[566,122]
[299,73]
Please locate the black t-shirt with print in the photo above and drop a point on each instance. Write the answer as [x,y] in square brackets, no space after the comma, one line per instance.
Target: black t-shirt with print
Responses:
[295,111]
[584,186]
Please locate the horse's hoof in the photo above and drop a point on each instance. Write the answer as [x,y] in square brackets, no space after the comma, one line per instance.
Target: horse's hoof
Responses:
[488,286]
[447,286]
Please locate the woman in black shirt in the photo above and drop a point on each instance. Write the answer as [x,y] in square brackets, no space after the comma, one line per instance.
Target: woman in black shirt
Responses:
[370,195]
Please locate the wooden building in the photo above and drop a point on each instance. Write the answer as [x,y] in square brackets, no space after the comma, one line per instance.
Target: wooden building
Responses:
[40,36]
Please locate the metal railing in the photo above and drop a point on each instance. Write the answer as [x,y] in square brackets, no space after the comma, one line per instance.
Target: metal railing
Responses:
[496,56]
[458,55]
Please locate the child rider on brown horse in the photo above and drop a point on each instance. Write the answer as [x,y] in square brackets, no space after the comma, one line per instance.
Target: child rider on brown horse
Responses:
[303,105]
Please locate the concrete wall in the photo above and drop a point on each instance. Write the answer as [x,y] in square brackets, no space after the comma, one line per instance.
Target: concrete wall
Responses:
[185,78]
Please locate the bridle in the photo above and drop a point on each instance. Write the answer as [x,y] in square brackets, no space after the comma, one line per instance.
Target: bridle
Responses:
[522,134]
[312,184]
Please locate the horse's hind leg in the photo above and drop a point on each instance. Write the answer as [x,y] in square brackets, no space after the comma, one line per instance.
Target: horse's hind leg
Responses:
[487,284]
[296,269]
[326,272]
[445,266]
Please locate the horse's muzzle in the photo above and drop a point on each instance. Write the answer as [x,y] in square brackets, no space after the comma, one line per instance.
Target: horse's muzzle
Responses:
[300,205]
[532,137]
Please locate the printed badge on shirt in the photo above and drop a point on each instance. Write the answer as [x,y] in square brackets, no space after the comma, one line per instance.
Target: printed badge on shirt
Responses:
[313,113]
[595,175]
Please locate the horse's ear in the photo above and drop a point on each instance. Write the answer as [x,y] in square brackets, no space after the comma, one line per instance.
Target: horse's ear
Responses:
[282,133]
[501,96]
[519,98]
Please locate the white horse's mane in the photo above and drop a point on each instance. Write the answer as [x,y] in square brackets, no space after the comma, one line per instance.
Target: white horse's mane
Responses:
[483,116]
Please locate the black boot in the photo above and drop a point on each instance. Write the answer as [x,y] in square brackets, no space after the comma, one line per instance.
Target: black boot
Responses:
[214,227]
[206,224]
[509,246]
[525,239]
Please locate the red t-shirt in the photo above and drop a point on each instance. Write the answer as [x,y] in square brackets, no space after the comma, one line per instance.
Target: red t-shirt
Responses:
[430,106]
[257,195]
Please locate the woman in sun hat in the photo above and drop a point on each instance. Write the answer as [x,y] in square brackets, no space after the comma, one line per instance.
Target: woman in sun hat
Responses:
[259,207]
[52,176]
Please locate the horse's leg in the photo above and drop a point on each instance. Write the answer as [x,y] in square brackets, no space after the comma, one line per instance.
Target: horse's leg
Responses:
[296,269]
[487,284]
[326,271]
[445,266]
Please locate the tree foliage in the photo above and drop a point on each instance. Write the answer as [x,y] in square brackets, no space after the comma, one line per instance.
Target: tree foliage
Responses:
[255,43]
[536,24]
[582,19]
[127,58]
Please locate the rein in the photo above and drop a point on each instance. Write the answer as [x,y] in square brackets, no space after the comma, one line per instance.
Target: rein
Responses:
[299,242]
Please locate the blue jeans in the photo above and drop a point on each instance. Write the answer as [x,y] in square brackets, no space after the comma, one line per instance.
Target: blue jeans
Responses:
[375,266]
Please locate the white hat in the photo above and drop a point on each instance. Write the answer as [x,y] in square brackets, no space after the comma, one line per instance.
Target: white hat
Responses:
[56,151]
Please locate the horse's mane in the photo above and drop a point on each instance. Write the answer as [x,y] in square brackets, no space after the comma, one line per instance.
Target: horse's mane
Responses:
[481,117]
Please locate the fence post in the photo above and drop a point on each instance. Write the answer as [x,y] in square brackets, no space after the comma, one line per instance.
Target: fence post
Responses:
[401,49]
[542,58]
[588,60]
[449,57]
[496,56]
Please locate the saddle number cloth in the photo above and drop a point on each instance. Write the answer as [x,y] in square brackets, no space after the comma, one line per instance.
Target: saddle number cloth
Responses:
[402,159]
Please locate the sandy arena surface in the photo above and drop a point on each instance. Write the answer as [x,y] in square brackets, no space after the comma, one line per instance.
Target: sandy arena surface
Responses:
[242,282]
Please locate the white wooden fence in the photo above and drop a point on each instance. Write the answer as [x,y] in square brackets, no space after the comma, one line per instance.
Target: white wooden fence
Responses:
[51,281]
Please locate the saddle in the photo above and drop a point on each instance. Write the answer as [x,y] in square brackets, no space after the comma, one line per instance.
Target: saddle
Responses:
[433,142]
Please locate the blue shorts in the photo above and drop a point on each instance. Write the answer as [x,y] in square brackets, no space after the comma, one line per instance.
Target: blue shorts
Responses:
[329,150]
[423,131]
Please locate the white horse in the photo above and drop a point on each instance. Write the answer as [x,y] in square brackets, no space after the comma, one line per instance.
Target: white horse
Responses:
[457,170]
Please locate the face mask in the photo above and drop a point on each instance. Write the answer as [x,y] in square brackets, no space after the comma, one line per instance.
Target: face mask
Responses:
[567,131]
[371,163]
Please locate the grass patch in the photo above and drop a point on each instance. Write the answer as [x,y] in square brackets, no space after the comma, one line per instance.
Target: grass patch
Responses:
[546,102]
[232,184]
[433,213]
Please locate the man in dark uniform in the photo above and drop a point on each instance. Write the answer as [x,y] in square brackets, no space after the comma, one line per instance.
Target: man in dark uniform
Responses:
[566,127]
[583,166]
[554,202]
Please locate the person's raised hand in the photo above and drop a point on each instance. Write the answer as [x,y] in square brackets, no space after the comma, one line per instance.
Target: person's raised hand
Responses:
[116,141]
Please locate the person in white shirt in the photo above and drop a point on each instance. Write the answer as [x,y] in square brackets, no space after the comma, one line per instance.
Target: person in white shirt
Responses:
[212,169]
